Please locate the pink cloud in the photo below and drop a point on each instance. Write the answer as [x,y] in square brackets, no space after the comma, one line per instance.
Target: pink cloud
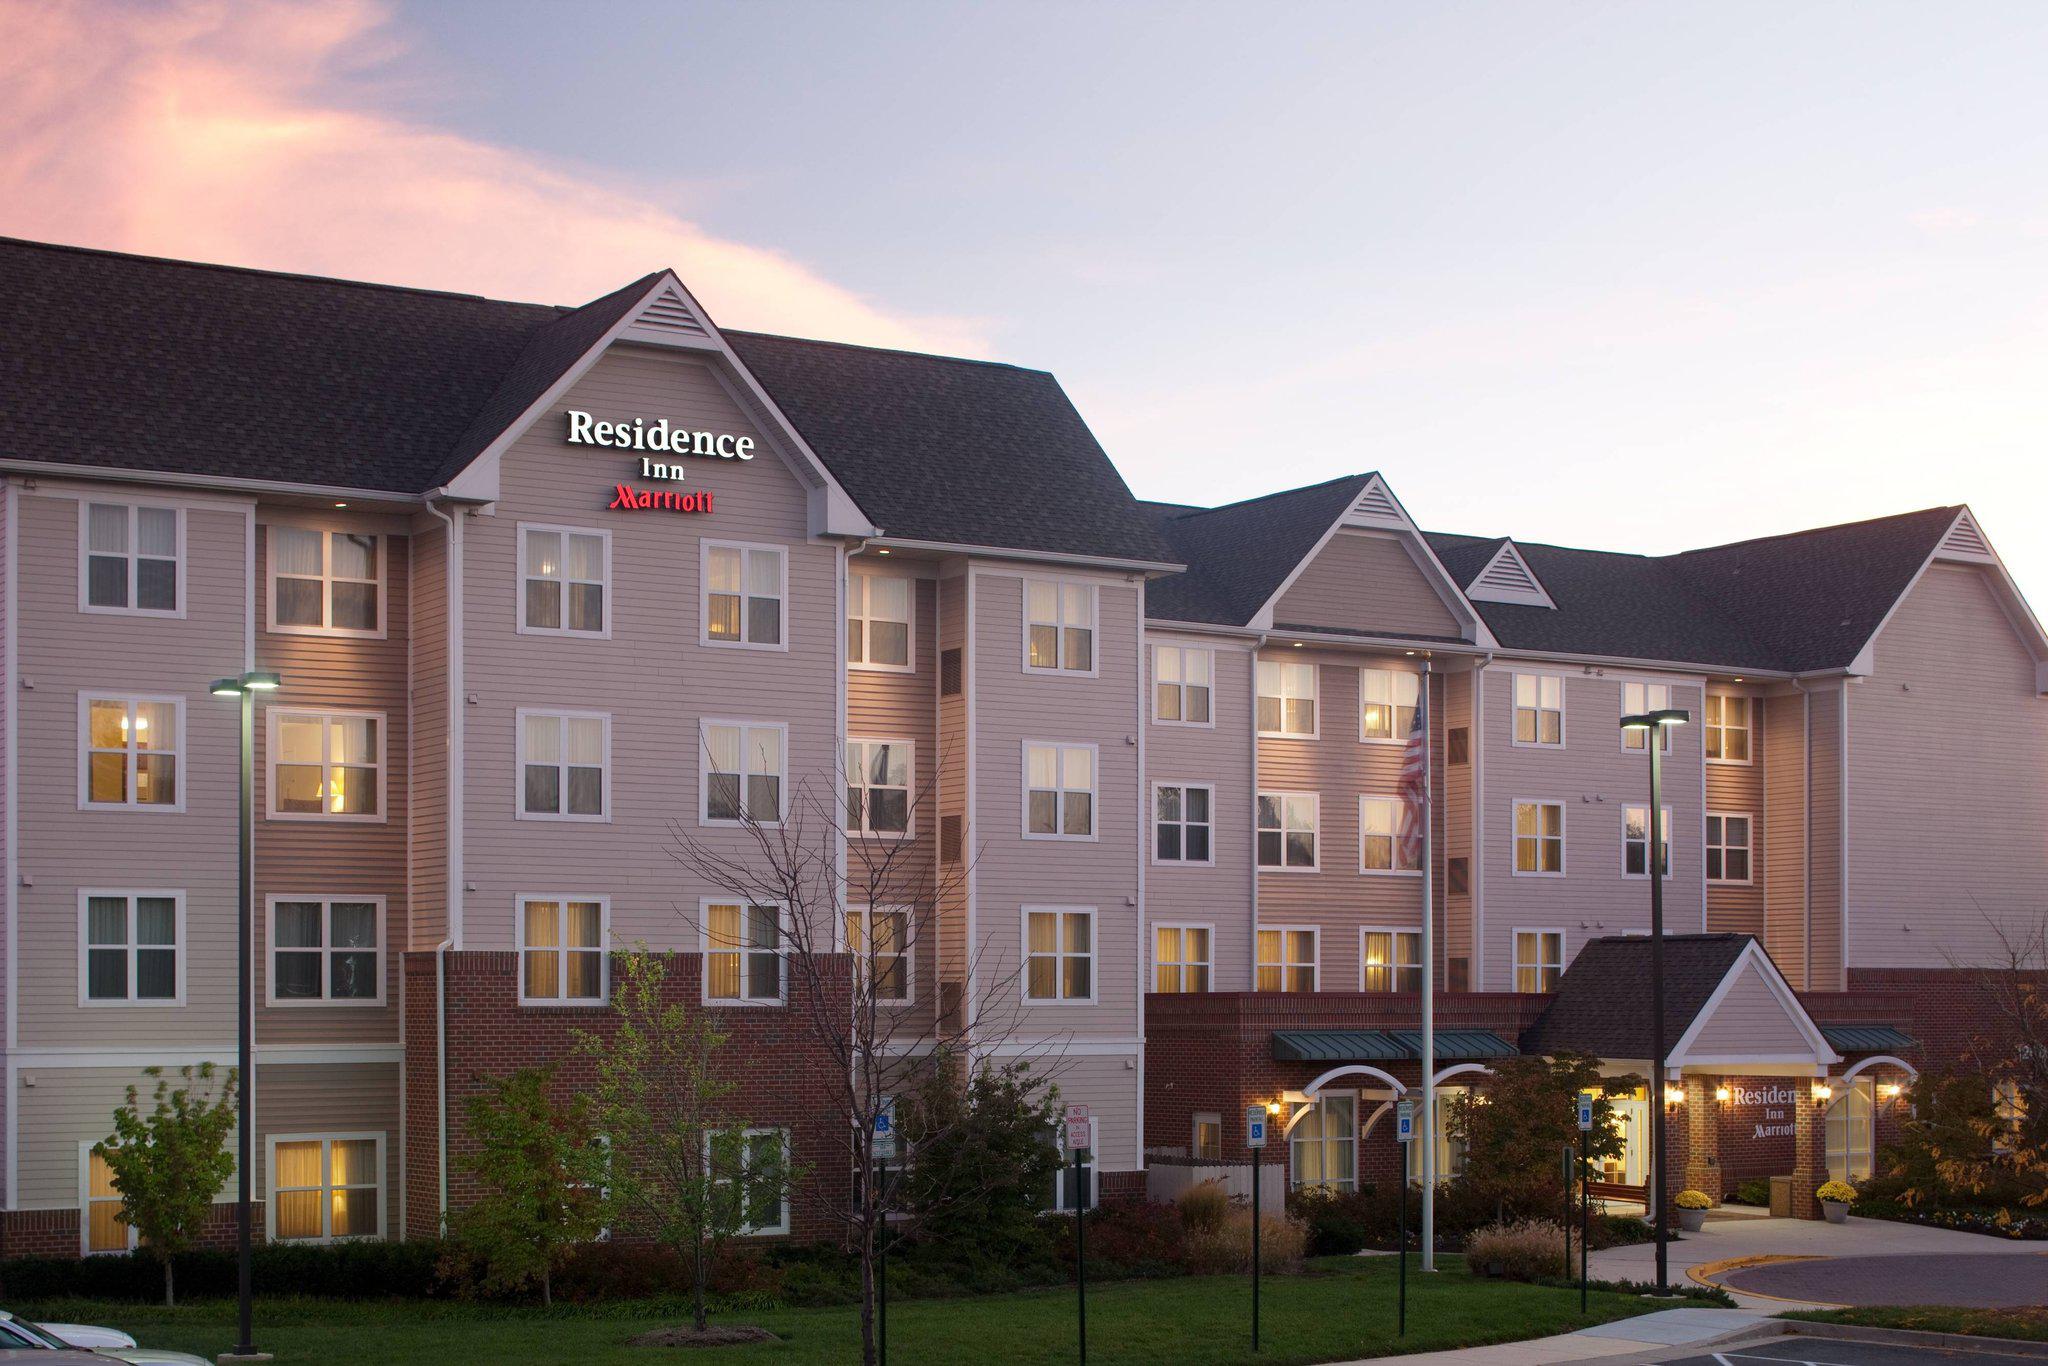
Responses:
[210,129]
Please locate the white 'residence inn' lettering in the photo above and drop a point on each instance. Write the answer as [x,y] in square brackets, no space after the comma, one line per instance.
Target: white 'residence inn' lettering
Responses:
[641,435]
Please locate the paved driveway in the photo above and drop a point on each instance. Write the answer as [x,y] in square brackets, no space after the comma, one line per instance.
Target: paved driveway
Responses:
[1822,1351]
[2006,1280]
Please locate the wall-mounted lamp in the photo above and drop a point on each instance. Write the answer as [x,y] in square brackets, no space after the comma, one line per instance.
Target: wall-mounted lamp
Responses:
[1723,1094]
[1888,1090]
[1674,1095]
[1822,1093]
[1272,1107]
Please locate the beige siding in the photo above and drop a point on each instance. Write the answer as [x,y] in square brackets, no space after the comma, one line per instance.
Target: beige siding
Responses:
[1366,581]
[427,873]
[1750,1020]
[64,652]
[1457,802]
[955,784]
[1108,1086]
[1948,812]
[1829,721]
[1220,755]
[1738,789]
[1786,816]
[329,1099]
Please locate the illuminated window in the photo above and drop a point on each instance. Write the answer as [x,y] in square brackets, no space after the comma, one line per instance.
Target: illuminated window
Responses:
[325,582]
[1638,698]
[1450,1149]
[564,759]
[103,1229]
[1386,703]
[1059,791]
[1208,1144]
[130,554]
[741,777]
[326,1188]
[132,945]
[742,953]
[562,959]
[1635,842]
[1287,956]
[1727,846]
[326,765]
[1380,846]
[563,573]
[878,937]
[1539,839]
[1852,1131]
[1539,709]
[1183,684]
[1727,723]
[1323,1144]
[131,748]
[878,621]
[1539,959]
[878,774]
[1287,698]
[1181,823]
[1059,950]
[1059,626]
[745,587]
[325,950]
[1287,830]
[1180,958]
[1390,960]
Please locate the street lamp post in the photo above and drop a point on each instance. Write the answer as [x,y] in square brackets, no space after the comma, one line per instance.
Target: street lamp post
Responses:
[1652,725]
[245,686]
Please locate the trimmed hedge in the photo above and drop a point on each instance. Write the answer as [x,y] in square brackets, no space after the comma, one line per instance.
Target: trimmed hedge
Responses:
[346,1271]
[1993,1222]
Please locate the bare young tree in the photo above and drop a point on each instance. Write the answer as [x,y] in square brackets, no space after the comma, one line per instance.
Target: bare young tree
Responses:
[879,966]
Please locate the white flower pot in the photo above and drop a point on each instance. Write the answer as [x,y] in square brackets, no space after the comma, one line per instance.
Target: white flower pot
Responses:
[1691,1220]
[1837,1211]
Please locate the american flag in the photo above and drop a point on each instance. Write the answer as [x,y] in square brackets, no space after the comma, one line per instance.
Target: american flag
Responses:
[1414,770]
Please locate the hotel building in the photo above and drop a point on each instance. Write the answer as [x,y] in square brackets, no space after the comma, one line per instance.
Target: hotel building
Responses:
[547,584]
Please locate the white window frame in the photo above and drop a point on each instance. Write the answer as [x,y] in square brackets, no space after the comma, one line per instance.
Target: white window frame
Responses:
[1563,836]
[908,952]
[1670,842]
[326,1142]
[519,623]
[863,829]
[1060,956]
[180,947]
[1064,1173]
[1183,823]
[1396,967]
[1215,1120]
[85,1204]
[1350,1143]
[1061,626]
[704,771]
[1183,686]
[743,950]
[753,1131]
[1392,703]
[520,716]
[1314,965]
[273,718]
[861,612]
[1645,692]
[1517,963]
[1393,868]
[86,698]
[563,950]
[1094,791]
[326,950]
[1859,1140]
[133,554]
[1315,805]
[1181,964]
[327,532]
[1748,848]
[1748,727]
[1314,696]
[1515,710]
[704,636]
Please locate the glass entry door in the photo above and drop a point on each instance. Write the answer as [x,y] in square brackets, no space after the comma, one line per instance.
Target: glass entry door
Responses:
[1632,1122]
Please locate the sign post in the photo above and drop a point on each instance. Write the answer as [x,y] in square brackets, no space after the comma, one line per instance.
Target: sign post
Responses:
[1404,1133]
[883,1147]
[1079,1139]
[1255,1139]
[1585,1190]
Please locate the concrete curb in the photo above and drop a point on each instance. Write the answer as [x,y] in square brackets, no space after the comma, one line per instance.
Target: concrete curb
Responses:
[1705,1272]
[1916,1337]
[1755,1332]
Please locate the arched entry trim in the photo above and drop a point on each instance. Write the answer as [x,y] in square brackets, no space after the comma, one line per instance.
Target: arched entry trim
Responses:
[1882,1060]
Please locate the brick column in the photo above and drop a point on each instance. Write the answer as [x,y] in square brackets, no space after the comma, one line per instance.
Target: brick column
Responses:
[1809,1151]
[1677,1150]
[1703,1136]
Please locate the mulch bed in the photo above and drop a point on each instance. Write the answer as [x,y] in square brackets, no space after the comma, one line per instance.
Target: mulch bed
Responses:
[715,1335]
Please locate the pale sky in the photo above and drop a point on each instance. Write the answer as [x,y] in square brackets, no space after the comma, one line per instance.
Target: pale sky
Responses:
[1639,277]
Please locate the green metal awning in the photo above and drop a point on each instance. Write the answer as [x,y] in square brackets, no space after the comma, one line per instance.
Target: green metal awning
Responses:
[1866,1038]
[1386,1045]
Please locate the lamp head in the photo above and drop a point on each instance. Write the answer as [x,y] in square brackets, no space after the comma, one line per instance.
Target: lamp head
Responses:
[225,687]
[1656,720]
[262,680]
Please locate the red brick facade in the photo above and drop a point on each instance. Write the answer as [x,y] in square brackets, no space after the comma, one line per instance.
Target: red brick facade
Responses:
[55,1232]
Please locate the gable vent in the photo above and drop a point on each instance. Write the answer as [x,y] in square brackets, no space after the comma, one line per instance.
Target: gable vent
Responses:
[1965,541]
[1508,578]
[1375,507]
[668,317]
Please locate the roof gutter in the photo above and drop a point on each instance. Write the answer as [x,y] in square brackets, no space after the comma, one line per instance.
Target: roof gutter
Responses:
[989,552]
[222,483]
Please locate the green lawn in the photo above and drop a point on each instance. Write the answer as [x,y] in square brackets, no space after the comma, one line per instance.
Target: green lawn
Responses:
[2028,1324]
[1341,1308]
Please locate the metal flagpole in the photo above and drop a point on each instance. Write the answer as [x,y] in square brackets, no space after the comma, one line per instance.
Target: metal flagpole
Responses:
[1428,991]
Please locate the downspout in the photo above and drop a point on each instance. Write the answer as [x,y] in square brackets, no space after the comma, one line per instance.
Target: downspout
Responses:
[1806,837]
[452,590]
[1252,946]
[441,1075]
[1475,884]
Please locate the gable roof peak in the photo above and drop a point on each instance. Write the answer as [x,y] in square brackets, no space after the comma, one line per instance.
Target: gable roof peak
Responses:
[1507,577]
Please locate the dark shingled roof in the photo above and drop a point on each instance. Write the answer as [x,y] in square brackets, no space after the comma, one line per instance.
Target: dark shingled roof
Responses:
[1602,1006]
[1385,1045]
[138,362]
[1239,554]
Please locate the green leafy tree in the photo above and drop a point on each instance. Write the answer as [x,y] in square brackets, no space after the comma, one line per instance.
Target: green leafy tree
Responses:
[682,1171]
[985,1166]
[1515,1128]
[169,1162]
[541,1170]
[1954,1147]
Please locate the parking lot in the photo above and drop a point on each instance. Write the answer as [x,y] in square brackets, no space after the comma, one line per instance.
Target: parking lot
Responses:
[1805,1350]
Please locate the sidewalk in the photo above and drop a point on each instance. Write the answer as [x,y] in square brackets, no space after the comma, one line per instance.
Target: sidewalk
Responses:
[1625,1337]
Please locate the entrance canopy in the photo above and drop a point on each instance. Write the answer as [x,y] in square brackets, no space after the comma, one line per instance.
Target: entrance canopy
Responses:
[1386,1045]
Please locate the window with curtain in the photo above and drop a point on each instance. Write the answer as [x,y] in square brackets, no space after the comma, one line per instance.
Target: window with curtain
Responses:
[745,587]
[879,940]
[1391,960]
[1180,958]
[1059,632]
[1286,958]
[1638,698]
[564,575]
[1539,838]
[104,1230]
[743,772]
[1287,698]
[326,764]
[1450,1149]
[1380,846]
[326,1189]
[1059,791]
[1635,842]
[563,761]
[1539,959]
[743,952]
[324,950]
[1183,684]
[1059,947]
[1323,1145]
[1852,1131]
[131,751]
[131,948]
[1539,709]
[131,558]
[324,581]
[878,608]
[562,951]
[1727,728]
[1386,703]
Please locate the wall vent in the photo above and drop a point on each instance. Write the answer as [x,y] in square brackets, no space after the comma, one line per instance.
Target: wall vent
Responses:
[668,317]
[1508,578]
[1375,507]
[949,839]
[949,672]
[1965,541]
